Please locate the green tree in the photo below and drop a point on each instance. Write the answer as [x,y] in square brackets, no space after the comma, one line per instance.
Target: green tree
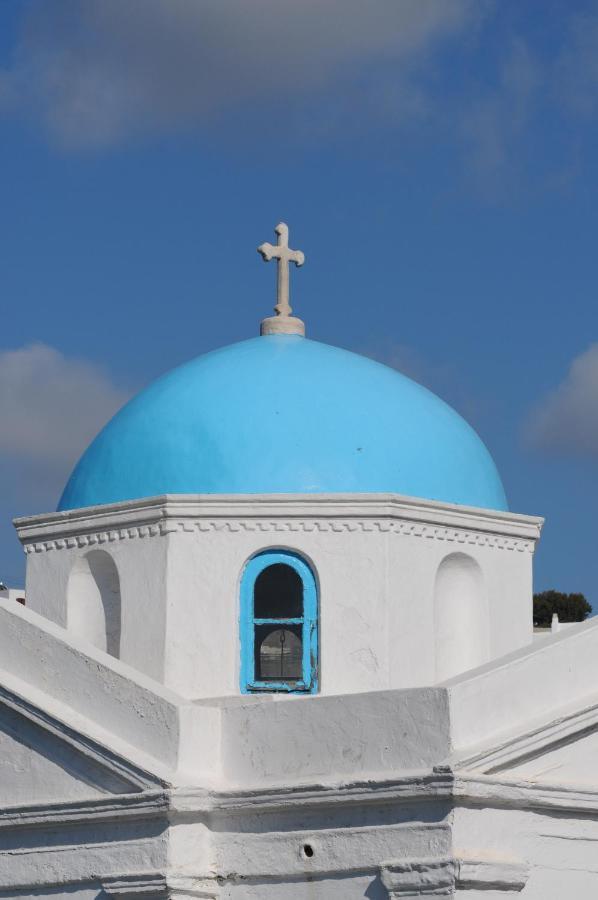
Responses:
[568,607]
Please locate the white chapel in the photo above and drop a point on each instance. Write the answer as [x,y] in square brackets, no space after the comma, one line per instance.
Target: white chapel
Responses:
[278,645]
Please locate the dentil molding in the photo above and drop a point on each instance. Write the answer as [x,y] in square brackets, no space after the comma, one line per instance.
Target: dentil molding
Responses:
[289,526]
[153,517]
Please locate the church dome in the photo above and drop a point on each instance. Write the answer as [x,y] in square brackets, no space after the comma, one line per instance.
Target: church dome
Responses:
[283,414]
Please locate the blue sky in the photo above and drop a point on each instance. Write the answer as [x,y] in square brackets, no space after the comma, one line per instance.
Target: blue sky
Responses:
[436,160]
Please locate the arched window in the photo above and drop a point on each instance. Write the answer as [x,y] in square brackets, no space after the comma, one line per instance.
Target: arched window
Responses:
[279,634]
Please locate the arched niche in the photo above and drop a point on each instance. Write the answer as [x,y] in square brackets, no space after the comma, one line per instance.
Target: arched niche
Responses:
[93,601]
[460,616]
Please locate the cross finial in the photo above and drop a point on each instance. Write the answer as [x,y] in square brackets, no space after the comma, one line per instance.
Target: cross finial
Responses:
[283,322]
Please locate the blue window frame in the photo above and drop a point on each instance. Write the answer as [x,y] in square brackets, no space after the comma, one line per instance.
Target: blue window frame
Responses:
[279,624]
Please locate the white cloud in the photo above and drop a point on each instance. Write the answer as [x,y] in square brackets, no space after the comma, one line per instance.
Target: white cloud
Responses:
[50,409]
[101,71]
[499,117]
[566,421]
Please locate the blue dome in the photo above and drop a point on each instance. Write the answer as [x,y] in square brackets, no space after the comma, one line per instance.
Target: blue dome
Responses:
[282,414]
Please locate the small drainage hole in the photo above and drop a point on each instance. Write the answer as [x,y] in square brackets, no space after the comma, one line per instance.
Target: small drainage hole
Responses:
[308,850]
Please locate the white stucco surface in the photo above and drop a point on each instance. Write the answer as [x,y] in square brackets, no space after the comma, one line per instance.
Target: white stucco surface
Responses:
[392,792]
[410,591]
[28,774]
[447,753]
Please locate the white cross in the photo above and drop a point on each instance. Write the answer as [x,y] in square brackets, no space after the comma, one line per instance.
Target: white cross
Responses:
[283,256]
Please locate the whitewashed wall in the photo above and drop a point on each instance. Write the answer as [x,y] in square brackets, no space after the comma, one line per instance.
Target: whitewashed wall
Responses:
[410,591]
[453,790]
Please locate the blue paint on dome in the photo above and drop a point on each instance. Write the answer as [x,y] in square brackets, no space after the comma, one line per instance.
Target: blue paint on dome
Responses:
[283,414]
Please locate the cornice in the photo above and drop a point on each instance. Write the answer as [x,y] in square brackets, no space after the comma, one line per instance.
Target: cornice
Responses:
[147,885]
[118,807]
[419,786]
[497,793]
[199,804]
[442,785]
[157,886]
[137,886]
[406,877]
[443,876]
[378,513]
[126,775]
[532,744]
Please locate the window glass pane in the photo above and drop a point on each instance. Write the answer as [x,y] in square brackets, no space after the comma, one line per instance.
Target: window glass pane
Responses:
[278,593]
[278,653]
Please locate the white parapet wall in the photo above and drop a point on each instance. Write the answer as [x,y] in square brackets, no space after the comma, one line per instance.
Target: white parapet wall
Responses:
[527,690]
[410,591]
[101,696]
[481,720]
[223,797]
